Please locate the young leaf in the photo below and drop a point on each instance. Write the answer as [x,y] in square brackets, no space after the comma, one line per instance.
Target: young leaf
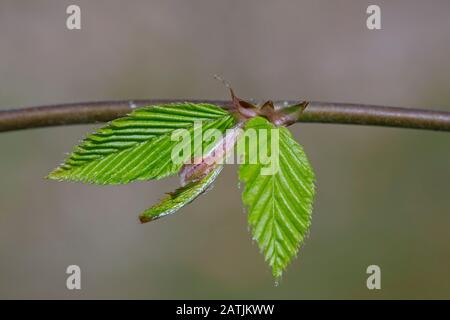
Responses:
[181,197]
[139,146]
[279,204]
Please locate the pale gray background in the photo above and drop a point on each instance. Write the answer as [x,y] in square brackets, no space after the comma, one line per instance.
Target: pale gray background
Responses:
[383,194]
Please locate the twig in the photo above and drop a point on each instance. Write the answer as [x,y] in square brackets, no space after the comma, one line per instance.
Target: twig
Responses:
[321,112]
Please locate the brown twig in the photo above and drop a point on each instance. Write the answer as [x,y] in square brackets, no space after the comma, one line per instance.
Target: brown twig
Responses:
[321,112]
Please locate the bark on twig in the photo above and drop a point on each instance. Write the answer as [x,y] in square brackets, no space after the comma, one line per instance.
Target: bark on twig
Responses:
[319,112]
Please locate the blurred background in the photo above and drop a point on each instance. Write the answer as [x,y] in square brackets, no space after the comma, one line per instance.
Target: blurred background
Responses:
[382,194]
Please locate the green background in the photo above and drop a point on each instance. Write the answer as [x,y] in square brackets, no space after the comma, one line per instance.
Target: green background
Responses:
[382,193]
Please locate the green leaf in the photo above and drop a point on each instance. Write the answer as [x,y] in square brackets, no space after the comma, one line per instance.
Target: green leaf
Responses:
[139,146]
[280,204]
[181,197]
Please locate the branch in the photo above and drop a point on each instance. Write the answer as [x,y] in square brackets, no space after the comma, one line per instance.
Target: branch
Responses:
[321,112]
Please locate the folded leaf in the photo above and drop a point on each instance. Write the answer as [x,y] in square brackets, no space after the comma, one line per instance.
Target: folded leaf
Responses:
[279,204]
[139,146]
[181,197]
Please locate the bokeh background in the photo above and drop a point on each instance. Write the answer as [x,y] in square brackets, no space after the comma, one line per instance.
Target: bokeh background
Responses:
[382,194]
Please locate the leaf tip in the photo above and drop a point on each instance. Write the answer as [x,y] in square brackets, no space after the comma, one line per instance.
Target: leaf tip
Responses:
[57,174]
[144,218]
[277,273]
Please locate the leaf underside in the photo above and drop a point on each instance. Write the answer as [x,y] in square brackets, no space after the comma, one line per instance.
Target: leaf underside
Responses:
[279,205]
[139,146]
[180,197]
